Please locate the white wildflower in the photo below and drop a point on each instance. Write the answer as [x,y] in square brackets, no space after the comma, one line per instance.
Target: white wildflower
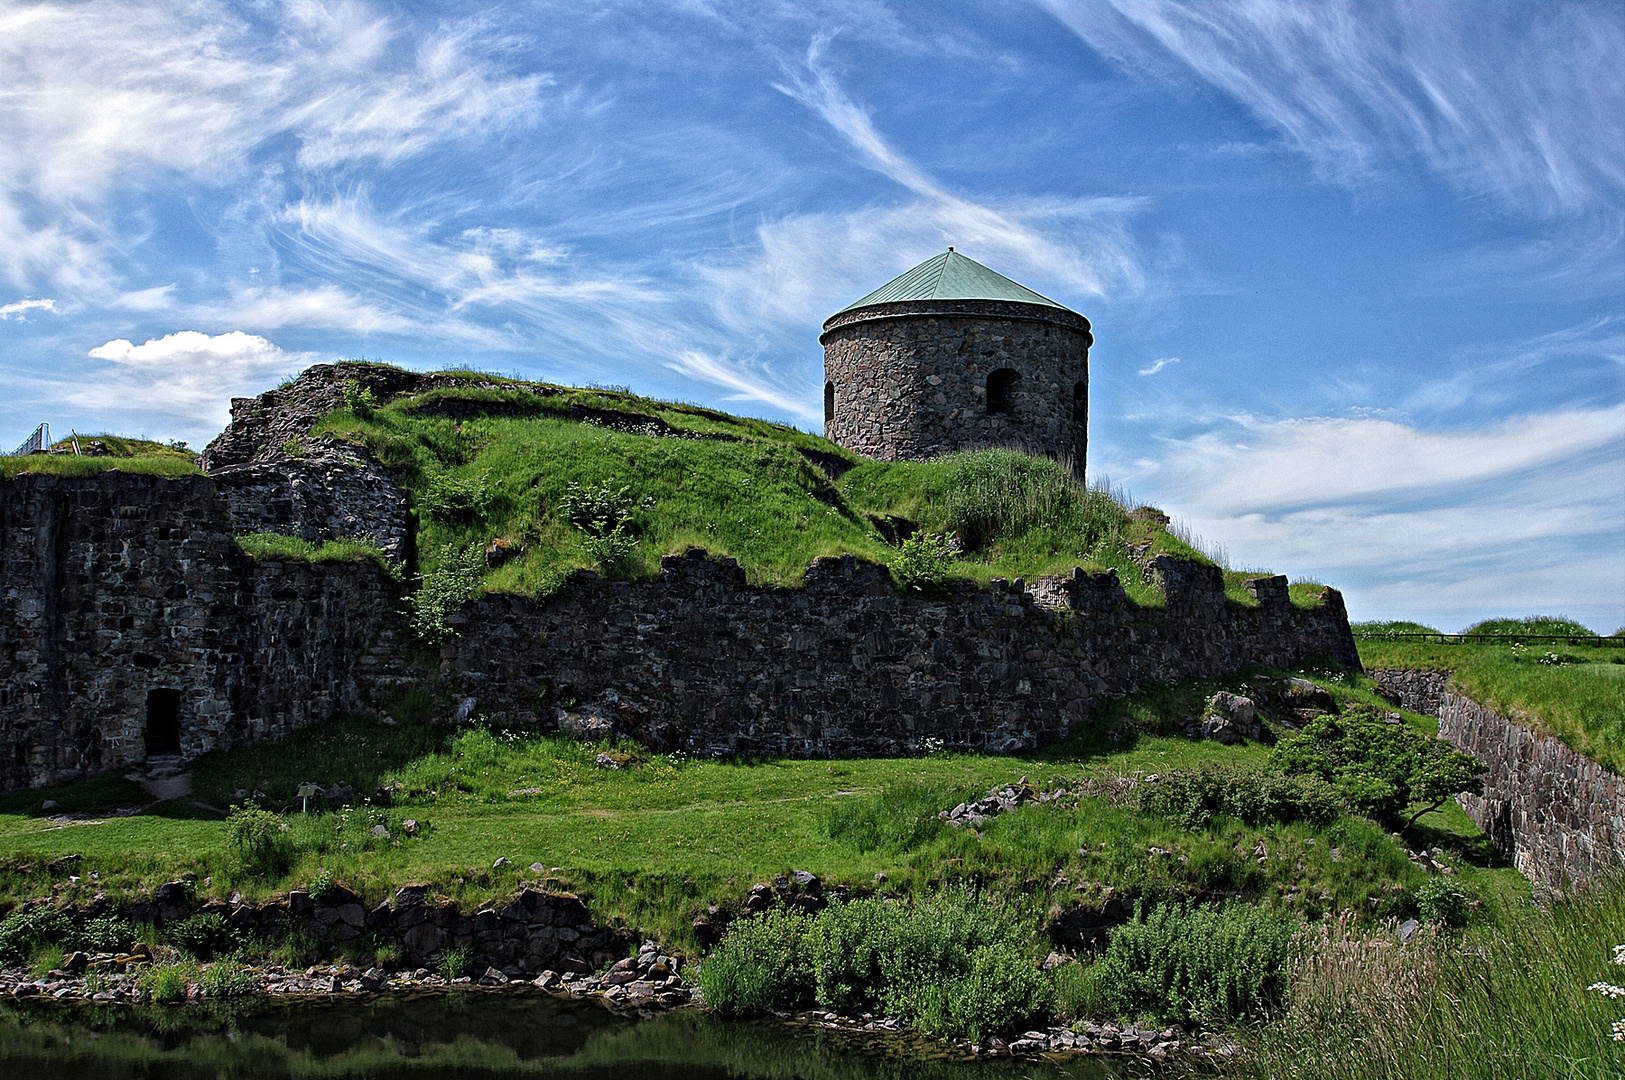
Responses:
[1619,954]
[1608,989]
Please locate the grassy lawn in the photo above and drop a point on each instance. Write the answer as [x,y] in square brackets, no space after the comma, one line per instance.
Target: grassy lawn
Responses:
[652,843]
[1574,692]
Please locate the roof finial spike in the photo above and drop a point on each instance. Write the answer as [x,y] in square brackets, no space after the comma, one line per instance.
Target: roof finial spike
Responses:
[950,247]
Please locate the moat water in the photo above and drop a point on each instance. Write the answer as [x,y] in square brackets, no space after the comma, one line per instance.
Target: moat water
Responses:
[454,1036]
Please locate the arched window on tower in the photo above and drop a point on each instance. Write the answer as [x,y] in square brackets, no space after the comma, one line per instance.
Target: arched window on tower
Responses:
[1001,390]
[829,402]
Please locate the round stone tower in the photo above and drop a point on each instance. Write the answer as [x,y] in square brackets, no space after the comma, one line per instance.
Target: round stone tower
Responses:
[952,356]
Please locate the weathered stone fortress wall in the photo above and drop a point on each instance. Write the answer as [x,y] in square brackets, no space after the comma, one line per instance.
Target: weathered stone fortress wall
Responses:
[701,661]
[1558,815]
[909,380]
[118,585]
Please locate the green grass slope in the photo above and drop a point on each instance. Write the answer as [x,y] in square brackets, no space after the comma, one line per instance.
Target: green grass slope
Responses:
[510,463]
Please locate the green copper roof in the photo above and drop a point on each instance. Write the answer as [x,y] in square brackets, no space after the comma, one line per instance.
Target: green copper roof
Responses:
[951,276]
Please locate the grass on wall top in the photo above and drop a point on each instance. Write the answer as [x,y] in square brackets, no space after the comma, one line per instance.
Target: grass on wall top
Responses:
[769,496]
[1573,692]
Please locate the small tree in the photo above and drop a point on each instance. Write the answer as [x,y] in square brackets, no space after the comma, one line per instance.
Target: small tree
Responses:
[1381,768]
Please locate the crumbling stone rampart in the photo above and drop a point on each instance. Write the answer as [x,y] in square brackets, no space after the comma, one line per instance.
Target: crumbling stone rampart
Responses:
[117,586]
[699,660]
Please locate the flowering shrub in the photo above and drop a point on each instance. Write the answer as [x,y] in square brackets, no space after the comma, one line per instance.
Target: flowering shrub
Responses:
[1609,990]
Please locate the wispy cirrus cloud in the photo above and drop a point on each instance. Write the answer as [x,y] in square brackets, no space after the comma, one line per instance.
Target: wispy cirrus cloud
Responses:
[19,309]
[1158,365]
[113,95]
[1519,104]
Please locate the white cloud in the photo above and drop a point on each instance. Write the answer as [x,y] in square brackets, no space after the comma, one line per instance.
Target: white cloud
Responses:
[1158,365]
[180,382]
[109,96]
[1523,515]
[19,309]
[326,307]
[1519,103]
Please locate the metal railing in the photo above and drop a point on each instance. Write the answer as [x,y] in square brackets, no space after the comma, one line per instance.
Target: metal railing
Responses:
[1506,639]
[37,442]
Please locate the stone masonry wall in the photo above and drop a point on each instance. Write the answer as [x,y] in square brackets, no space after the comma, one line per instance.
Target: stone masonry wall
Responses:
[911,383]
[116,585]
[701,661]
[1558,815]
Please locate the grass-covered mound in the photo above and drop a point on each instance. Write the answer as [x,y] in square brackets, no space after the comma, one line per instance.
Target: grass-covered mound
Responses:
[550,480]
[1573,691]
[103,453]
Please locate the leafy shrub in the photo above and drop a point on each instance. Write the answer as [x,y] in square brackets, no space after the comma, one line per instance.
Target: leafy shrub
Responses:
[109,934]
[259,842]
[24,933]
[1442,900]
[1198,965]
[604,515]
[204,935]
[227,978]
[1193,796]
[762,964]
[953,964]
[359,399]
[923,562]
[1380,768]
[323,888]
[455,580]
[457,498]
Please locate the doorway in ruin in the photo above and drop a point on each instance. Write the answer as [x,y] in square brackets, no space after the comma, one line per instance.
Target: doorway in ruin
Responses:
[164,721]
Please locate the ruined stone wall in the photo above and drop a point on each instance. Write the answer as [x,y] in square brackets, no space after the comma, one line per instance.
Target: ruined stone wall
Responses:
[701,661]
[116,585]
[910,379]
[1558,815]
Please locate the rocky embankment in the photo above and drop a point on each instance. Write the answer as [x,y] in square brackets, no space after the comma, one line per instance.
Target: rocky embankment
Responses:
[650,978]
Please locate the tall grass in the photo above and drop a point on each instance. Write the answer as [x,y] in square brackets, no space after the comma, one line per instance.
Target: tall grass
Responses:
[1509,1002]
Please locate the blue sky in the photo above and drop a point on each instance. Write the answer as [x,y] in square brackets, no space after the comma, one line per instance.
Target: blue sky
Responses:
[1356,270]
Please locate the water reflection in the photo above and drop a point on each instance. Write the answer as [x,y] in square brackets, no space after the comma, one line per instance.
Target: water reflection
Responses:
[471,1035]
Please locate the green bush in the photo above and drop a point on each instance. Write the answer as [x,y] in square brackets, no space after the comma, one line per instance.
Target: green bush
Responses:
[259,842]
[24,933]
[954,964]
[1540,625]
[359,399]
[1442,900]
[604,515]
[453,498]
[457,578]
[109,934]
[763,963]
[923,562]
[204,935]
[1201,965]
[1193,796]
[1381,768]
